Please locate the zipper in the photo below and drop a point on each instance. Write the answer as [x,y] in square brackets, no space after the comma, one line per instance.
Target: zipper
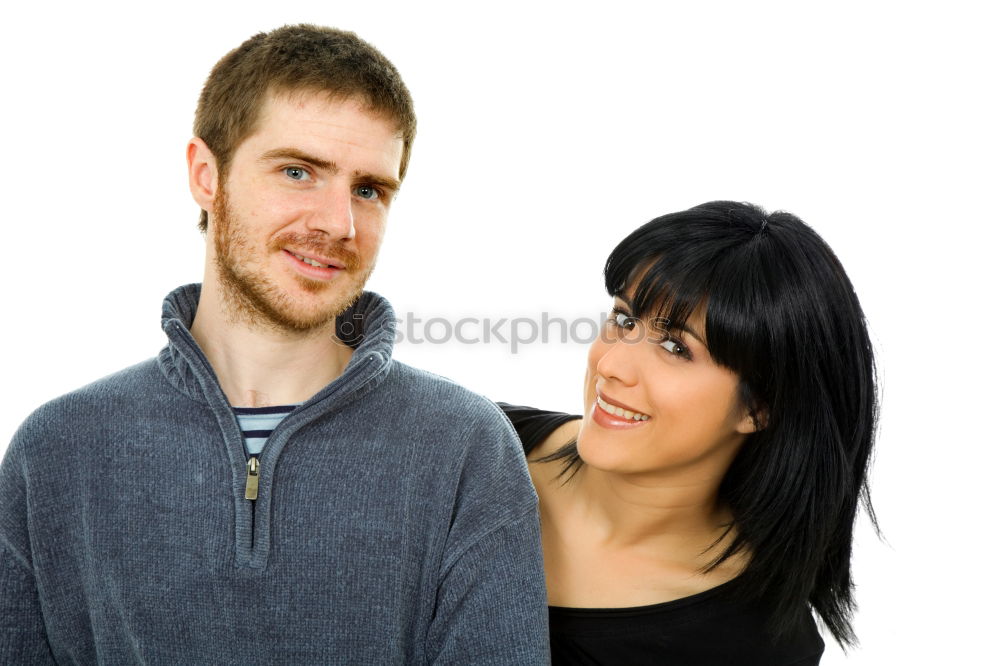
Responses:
[250,489]
[250,493]
[253,474]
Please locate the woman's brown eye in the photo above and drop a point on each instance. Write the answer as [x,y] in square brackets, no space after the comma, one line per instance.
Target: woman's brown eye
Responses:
[675,348]
[622,320]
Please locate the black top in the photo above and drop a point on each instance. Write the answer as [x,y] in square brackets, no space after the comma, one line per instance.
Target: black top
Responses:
[710,628]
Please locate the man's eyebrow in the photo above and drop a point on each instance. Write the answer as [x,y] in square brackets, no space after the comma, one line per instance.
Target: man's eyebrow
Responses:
[390,185]
[298,156]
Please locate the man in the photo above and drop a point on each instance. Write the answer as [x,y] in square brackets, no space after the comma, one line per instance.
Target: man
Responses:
[268,489]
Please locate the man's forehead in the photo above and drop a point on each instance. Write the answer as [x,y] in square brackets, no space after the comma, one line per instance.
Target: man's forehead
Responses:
[305,99]
[308,121]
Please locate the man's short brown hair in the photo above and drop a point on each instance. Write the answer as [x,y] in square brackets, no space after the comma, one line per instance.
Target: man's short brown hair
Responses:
[291,59]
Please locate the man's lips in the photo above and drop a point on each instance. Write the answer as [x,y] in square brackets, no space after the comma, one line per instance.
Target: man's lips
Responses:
[325,262]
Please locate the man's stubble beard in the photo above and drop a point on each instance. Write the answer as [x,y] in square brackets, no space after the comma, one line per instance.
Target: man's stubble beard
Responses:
[254,299]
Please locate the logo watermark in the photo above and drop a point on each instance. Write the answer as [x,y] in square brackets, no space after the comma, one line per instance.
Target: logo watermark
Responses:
[514,332]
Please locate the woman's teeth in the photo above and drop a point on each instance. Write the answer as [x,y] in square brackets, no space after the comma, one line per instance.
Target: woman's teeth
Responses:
[618,411]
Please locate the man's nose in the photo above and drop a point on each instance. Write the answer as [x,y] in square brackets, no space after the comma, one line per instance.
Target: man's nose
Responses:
[334,214]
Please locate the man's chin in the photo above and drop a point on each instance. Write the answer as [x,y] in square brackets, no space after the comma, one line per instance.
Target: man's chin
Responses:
[288,313]
[318,286]
[304,318]
[294,319]
[298,305]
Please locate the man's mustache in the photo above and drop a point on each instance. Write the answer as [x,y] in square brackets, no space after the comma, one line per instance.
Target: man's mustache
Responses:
[319,244]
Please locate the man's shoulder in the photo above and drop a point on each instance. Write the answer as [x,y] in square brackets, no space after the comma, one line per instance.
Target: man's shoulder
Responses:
[132,385]
[131,382]
[441,414]
[467,444]
[437,395]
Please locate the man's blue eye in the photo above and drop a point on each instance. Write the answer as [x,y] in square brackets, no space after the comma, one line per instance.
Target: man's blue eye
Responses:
[366,192]
[296,173]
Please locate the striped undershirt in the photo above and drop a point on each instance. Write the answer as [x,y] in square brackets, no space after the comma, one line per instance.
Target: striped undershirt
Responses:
[257,423]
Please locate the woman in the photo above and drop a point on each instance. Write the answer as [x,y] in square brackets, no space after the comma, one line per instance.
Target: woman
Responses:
[701,510]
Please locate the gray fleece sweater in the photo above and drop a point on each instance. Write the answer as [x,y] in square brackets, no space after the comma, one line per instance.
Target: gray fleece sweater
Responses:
[394,522]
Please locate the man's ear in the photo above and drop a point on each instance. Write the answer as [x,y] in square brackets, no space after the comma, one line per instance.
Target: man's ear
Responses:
[203,173]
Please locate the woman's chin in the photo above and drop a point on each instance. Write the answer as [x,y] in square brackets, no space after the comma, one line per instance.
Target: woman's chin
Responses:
[600,449]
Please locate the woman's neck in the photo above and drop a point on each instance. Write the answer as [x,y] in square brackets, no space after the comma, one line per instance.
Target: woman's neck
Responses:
[682,514]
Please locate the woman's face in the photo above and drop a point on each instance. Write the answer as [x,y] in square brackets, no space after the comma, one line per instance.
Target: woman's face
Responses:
[656,403]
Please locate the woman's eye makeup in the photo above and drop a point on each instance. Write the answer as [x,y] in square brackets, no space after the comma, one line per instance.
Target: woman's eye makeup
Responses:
[622,320]
[676,347]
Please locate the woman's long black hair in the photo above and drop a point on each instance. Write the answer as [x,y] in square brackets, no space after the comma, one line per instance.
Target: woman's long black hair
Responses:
[781,313]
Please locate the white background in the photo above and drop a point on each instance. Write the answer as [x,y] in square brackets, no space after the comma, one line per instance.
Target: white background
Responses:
[547,132]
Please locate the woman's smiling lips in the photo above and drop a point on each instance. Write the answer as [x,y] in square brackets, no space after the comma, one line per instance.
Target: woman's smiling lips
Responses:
[613,414]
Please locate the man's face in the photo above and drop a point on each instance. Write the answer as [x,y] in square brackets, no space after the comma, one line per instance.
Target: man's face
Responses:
[299,217]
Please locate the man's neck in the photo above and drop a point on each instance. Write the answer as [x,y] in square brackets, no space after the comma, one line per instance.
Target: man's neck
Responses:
[259,366]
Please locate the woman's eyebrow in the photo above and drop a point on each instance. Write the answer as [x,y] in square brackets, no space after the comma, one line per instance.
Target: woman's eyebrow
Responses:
[626,301]
[669,325]
[689,331]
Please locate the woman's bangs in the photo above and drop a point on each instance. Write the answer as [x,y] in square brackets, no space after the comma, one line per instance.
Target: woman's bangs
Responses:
[666,298]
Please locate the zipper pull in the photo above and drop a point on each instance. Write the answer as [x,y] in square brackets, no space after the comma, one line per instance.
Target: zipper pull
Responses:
[252,473]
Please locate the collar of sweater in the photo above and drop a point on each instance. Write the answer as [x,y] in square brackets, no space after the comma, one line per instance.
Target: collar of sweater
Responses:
[369,326]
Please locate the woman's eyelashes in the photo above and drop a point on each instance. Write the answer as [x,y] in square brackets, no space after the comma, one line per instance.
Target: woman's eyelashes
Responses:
[623,321]
[676,348]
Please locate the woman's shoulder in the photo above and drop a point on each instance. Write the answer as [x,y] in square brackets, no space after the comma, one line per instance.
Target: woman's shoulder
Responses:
[541,431]
[685,630]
